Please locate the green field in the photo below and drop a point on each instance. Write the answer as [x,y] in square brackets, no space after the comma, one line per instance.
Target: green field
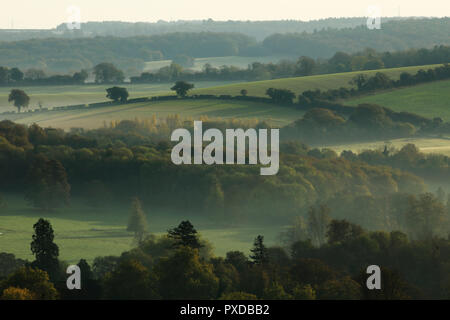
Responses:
[429,100]
[300,84]
[56,96]
[84,232]
[217,62]
[94,118]
[425,145]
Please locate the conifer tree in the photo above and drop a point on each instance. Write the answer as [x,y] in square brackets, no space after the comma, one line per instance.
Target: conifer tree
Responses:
[259,251]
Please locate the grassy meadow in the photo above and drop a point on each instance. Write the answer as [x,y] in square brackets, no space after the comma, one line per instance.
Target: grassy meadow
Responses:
[300,84]
[86,232]
[56,96]
[429,100]
[95,118]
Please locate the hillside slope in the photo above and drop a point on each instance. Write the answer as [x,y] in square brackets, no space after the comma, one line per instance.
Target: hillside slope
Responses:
[300,84]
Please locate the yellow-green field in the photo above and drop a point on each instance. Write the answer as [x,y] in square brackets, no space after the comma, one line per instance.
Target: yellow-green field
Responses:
[429,100]
[84,232]
[426,145]
[94,118]
[56,96]
[300,84]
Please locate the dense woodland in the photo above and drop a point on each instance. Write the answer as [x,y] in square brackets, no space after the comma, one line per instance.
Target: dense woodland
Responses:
[63,55]
[132,158]
[178,70]
[343,212]
[346,212]
[328,261]
[257,29]
[368,59]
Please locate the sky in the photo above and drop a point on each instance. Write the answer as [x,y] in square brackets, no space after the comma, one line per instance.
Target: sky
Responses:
[36,14]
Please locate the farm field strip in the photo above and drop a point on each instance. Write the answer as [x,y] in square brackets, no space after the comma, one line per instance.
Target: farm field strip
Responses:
[94,118]
[429,100]
[57,96]
[300,84]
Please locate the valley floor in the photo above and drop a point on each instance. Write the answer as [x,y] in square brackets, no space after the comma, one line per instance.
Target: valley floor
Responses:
[86,232]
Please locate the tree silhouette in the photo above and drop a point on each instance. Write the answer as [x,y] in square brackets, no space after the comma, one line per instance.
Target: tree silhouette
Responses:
[185,235]
[182,87]
[259,251]
[44,249]
[117,94]
[20,98]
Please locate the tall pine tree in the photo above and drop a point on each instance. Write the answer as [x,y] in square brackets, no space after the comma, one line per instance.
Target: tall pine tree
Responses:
[44,249]
[259,252]
[185,235]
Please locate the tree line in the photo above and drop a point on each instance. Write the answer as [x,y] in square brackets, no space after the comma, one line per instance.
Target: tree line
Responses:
[132,158]
[179,265]
[367,59]
[131,53]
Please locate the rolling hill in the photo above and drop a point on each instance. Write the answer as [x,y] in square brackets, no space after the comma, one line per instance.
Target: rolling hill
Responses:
[95,117]
[300,84]
[429,100]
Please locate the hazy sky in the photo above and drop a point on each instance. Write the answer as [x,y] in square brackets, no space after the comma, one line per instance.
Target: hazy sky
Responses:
[49,13]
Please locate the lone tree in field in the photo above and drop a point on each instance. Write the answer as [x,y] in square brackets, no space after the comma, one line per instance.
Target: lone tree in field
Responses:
[182,88]
[117,94]
[244,92]
[20,98]
[259,252]
[44,249]
[137,222]
[185,235]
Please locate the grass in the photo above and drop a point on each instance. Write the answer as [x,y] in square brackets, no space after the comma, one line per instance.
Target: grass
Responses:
[429,100]
[84,232]
[55,96]
[300,84]
[94,118]
[425,145]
